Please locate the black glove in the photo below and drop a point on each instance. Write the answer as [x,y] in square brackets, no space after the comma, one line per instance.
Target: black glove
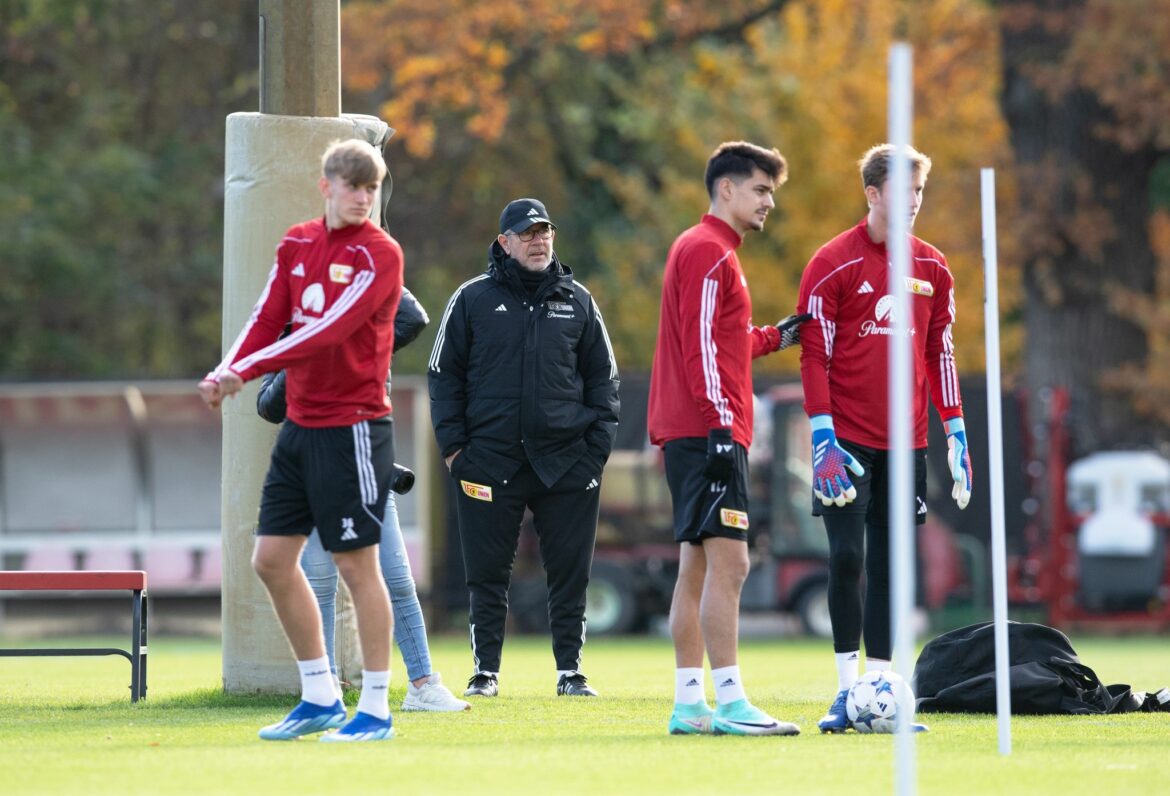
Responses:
[720,455]
[790,329]
[270,401]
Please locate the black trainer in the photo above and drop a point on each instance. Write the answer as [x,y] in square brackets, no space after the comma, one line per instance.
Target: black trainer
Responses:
[574,684]
[483,684]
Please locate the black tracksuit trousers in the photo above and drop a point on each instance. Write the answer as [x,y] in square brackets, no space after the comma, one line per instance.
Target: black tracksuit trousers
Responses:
[565,518]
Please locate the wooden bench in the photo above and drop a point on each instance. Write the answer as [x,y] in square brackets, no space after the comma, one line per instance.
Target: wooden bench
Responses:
[133,581]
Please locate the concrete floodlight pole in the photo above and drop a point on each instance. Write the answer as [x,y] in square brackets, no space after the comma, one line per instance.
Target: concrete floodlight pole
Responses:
[300,58]
[272,162]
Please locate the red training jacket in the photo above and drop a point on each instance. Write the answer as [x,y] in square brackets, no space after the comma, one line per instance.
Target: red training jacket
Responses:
[702,373]
[844,358]
[340,290]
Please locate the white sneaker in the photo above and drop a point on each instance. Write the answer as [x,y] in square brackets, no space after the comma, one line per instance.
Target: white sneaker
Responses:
[433,696]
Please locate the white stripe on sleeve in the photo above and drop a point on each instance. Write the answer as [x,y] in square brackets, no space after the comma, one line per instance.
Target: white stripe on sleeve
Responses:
[441,337]
[710,351]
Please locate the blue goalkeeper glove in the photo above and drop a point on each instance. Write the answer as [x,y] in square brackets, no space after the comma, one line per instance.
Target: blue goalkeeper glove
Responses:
[830,481]
[959,460]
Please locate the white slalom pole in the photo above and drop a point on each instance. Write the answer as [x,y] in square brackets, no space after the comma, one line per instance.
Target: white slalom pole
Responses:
[902,466]
[1003,696]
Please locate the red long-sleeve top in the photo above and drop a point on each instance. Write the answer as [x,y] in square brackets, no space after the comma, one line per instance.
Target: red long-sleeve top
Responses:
[844,359]
[702,373]
[340,290]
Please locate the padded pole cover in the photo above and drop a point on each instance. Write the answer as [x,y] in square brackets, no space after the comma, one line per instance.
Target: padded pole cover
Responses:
[271,169]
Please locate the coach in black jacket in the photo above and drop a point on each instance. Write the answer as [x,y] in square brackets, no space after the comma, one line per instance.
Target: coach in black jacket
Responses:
[524,401]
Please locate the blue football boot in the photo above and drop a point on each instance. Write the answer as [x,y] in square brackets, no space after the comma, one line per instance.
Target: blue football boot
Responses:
[305,719]
[836,720]
[363,727]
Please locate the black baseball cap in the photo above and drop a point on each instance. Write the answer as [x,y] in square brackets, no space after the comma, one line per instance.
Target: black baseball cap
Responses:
[520,214]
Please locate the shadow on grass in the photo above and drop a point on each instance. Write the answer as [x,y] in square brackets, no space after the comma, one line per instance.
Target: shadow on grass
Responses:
[216,698]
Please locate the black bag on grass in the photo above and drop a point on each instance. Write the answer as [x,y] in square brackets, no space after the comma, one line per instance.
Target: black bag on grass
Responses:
[956,673]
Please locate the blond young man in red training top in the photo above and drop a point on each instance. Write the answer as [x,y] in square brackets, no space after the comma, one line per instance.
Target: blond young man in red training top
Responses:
[337,280]
[844,368]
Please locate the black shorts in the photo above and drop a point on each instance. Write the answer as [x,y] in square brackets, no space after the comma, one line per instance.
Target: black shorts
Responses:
[334,479]
[873,488]
[703,509]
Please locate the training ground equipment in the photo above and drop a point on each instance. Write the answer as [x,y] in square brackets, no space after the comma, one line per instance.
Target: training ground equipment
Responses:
[955,673]
[133,581]
[872,701]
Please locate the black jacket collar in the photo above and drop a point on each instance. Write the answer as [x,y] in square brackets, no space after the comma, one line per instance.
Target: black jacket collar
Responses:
[502,268]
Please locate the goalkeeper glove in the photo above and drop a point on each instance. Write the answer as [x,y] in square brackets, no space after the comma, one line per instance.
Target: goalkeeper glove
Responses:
[830,481]
[959,459]
[720,455]
[790,330]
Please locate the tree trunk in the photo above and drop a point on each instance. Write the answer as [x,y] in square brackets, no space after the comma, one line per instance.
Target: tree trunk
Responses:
[1083,228]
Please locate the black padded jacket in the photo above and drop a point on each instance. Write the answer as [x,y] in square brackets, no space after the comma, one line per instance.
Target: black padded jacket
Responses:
[515,377]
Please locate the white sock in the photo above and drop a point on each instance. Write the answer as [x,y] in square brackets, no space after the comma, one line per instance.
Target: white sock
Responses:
[562,672]
[847,664]
[317,682]
[375,694]
[728,686]
[876,665]
[688,686]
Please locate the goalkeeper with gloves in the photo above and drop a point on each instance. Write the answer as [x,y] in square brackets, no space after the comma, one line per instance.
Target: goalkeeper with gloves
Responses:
[844,368]
[700,412]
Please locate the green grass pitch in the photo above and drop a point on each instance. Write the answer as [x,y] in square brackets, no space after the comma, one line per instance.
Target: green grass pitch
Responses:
[67,727]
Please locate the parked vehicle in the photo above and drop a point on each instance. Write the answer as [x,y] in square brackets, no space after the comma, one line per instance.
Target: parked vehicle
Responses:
[636,561]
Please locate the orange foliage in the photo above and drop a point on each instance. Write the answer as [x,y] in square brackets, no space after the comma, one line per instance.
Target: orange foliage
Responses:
[816,89]
[809,78]
[1119,51]
[456,55]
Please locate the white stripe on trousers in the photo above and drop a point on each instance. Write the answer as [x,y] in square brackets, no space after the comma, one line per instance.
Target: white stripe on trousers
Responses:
[364,461]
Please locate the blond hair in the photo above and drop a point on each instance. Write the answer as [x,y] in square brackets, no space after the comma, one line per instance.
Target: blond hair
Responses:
[354,161]
[875,164]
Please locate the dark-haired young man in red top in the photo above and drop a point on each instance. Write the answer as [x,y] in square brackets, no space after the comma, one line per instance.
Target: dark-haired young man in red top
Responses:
[700,412]
[844,367]
[337,280]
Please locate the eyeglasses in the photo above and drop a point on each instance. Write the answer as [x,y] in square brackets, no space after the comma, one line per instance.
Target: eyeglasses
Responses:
[542,231]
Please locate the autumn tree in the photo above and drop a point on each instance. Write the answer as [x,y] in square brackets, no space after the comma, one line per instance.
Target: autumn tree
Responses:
[1087,99]
[608,110]
[111,118]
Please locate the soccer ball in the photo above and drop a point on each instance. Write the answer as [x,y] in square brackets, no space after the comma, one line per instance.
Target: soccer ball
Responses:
[872,702]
